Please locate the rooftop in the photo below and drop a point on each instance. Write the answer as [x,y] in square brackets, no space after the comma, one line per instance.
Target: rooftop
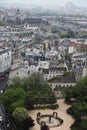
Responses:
[3,49]
[63,79]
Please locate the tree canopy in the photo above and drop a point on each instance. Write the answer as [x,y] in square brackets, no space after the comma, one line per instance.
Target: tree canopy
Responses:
[79,107]
[13,97]
[20,114]
[22,119]
[27,91]
[1,23]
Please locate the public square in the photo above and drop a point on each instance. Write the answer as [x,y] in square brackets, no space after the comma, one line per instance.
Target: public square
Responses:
[68,120]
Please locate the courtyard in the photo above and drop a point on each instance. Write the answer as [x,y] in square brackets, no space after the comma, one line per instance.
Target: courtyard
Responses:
[67,119]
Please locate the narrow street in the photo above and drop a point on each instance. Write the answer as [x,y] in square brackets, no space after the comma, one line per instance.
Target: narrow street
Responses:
[5,121]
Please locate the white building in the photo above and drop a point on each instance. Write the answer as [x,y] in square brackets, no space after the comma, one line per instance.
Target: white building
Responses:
[84,72]
[31,28]
[43,64]
[5,60]
[72,50]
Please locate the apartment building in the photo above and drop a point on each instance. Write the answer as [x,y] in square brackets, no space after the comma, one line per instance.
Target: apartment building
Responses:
[5,61]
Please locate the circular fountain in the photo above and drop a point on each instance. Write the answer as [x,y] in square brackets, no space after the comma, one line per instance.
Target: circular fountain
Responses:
[51,120]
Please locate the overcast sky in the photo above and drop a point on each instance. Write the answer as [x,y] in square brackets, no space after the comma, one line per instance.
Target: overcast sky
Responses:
[47,2]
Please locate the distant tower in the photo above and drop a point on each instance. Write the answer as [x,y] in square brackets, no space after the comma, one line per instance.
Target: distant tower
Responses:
[18,11]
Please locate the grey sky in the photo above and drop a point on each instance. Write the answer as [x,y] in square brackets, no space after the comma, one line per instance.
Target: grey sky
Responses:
[47,2]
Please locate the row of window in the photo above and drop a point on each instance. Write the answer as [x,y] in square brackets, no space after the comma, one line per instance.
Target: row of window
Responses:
[62,86]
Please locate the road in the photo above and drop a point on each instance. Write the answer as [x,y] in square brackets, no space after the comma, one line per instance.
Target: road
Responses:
[3,86]
[5,121]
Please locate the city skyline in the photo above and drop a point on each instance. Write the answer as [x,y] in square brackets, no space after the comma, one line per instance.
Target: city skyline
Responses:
[46,2]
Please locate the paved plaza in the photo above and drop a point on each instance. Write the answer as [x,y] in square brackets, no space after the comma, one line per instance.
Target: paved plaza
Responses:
[68,120]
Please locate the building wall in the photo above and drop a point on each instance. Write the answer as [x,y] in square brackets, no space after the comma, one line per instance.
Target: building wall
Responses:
[17,52]
[53,85]
[5,61]
[52,75]
[84,72]
[71,49]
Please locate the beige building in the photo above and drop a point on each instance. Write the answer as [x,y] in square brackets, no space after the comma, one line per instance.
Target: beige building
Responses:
[59,83]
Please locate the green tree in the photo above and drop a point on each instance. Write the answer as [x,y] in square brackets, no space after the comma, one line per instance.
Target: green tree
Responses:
[7,97]
[68,96]
[22,119]
[16,82]
[79,108]
[20,114]
[80,90]
[13,98]
[27,92]
[19,103]
[70,34]
[83,125]
[1,23]
[35,81]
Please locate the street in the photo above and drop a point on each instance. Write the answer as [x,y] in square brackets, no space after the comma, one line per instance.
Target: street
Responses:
[6,122]
[3,86]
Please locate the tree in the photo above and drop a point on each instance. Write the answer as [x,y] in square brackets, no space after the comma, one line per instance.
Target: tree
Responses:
[19,103]
[79,107]
[16,81]
[28,122]
[22,118]
[28,92]
[70,34]
[35,80]
[32,82]
[29,104]
[83,125]
[24,83]
[80,90]
[68,96]
[20,114]
[7,98]
[13,97]
[45,127]
[39,92]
